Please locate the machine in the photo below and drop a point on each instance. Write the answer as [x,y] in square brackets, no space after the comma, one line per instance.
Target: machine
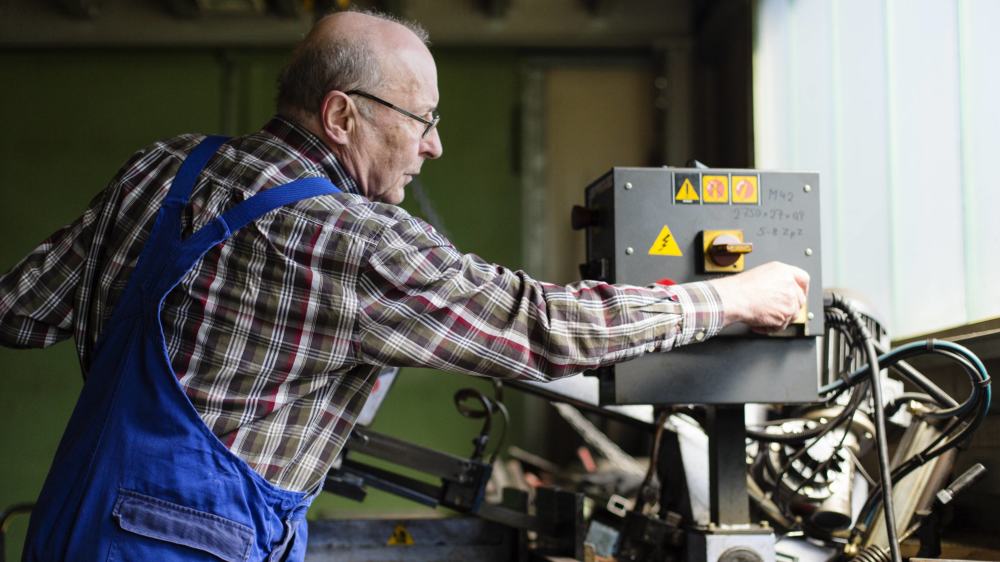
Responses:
[693,224]
[791,482]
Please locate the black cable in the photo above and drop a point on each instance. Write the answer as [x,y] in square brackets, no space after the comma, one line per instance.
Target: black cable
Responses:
[903,470]
[980,396]
[649,490]
[930,452]
[803,436]
[490,408]
[974,396]
[826,462]
[806,434]
[896,357]
[881,441]
[817,433]
[919,379]
[952,408]
[857,397]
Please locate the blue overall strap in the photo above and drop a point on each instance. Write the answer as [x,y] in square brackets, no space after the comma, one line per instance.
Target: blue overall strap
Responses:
[250,210]
[180,188]
[266,201]
[168,224]
[222,227]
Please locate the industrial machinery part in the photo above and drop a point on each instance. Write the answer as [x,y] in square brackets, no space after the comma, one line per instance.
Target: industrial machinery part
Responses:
[917,492]
[692,224]
[818,485]
[593,436]
[751,543]
[452,539]
[644,538]
[556,518]
[463,481]
[805,459]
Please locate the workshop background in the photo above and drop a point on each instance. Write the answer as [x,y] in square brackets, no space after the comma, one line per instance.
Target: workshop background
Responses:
[892,102]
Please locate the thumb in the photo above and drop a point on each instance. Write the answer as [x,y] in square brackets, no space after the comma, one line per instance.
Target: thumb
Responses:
[801,278]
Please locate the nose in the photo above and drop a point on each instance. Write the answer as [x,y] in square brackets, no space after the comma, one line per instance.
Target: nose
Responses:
[431,146]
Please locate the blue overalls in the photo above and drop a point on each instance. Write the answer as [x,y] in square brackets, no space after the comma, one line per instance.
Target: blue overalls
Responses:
[138,476]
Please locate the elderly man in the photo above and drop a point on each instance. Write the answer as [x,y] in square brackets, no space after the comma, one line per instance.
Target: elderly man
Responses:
[232,301]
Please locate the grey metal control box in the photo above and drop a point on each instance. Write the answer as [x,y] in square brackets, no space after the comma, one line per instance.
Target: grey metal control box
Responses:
[681,224]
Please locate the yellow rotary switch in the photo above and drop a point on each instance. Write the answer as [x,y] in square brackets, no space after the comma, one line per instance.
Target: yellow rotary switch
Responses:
[724,250]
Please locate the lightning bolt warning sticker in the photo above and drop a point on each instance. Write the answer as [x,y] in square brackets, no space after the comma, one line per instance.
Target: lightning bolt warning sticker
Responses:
[665,244]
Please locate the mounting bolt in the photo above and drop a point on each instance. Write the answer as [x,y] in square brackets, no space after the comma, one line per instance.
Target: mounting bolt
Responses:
[628,185]
[807,188]
[629,251]
[809,251]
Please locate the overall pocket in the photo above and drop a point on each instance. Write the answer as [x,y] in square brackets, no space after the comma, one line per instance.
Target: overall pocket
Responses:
[162,531]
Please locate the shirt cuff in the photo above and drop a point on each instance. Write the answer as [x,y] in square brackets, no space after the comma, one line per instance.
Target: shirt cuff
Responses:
[701,310]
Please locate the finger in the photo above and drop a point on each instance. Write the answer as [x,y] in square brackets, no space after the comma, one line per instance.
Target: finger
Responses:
[801,278]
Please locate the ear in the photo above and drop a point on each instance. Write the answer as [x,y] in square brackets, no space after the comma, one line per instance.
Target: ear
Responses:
[338,117]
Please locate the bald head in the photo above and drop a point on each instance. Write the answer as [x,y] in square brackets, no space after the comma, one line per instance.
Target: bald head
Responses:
[385,32]
[348,51]
[366,85]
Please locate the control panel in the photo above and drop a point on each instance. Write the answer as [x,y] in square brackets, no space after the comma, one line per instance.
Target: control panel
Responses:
[644,225]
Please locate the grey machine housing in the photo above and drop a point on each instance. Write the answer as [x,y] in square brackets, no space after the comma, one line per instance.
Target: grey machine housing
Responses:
[626,211]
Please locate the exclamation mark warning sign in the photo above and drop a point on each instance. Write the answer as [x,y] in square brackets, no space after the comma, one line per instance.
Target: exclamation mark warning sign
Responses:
[685,191]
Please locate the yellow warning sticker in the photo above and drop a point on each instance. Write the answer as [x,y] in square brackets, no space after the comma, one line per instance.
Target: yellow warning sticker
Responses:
[686,193]
[745,190]
[400,536]
[665,244]
[715,189]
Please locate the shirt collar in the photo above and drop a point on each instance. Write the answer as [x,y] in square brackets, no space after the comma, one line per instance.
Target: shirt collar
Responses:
[304,142]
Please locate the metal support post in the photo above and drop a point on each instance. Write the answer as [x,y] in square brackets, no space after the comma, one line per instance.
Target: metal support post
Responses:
[727,465]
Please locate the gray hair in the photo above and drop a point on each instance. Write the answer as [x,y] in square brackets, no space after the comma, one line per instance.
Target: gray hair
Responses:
[344,64]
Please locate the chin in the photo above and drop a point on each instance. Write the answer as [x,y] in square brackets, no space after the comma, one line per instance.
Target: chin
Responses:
[394,197]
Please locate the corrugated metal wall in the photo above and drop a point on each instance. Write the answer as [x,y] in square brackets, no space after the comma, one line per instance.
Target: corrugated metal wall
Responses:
[893,102]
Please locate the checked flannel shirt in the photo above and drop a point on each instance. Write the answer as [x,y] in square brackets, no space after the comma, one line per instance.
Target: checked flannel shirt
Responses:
[277,334]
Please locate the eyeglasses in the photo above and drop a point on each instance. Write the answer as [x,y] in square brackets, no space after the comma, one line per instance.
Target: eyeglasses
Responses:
[428,125]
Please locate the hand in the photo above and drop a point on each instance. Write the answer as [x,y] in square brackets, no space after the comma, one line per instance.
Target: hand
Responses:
[766,298]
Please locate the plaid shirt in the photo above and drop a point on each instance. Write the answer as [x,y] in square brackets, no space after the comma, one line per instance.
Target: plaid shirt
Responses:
[277,334]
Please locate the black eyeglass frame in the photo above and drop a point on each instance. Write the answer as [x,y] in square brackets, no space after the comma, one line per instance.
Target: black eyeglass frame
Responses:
[428,125]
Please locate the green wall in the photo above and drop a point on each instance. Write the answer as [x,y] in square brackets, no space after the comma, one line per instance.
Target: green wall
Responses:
[71,117]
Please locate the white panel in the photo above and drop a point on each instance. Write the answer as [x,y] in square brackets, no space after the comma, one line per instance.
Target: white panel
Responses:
[861,208]
[980,84]
[927,258]
[771,96]
[894,103]
[812,142]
